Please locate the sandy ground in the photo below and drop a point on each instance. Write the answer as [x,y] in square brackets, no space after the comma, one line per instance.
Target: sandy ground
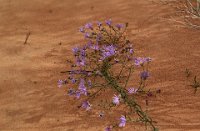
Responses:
[29,97]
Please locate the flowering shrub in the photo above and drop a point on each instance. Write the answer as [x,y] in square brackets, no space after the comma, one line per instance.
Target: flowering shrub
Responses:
[104,64]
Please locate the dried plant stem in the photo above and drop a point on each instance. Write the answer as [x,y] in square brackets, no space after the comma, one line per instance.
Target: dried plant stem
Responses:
[27,36]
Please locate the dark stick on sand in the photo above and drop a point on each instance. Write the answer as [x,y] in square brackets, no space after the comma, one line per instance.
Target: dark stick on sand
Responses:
[27,36]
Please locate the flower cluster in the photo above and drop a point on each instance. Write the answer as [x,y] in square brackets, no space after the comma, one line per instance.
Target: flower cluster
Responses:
[141,61]
[107,56]
[108,51]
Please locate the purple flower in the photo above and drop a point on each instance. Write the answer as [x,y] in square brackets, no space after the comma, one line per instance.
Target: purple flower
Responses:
[86,105]
[109,128]
[108,22]
[60,83]
[80,61]
[89,26]
[131,51]
[132,90]
[84,91]
[108,51]
[78,94]
[89,44]
[148,59]
[82,88]
[99,24]
[89,83]
[81,29]
[122,121]
[144,75]
[82,83]
[83,52]
[73,80]
[87,35]
[75,50]
[89,73]
[85,47]
[119,26]
[95,47]
[116,100]
[141,61]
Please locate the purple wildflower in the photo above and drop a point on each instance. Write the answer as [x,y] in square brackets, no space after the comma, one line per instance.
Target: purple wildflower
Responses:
[75,50]
[89,73]
[119,26]
[86,105]
[89,44]
[84,91]
[78,94]
[108,51]
[80,61]
[132,90]
[109,128]
[82,82]
[108,22]
[82,88]
[83,52]
[73,80]
[87,35]
[89,83]
[85,47]
[89,26]
[116,100]
[141,61]
[122,121]
[148,59]
[81,29]
[144,75]
[60,83]
[95,47]
[131,51]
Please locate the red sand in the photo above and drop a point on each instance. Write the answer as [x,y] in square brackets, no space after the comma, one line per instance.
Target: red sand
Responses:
[29,97]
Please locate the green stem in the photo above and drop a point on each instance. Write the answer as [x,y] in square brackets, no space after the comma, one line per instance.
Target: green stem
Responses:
[130,71]
[130,102]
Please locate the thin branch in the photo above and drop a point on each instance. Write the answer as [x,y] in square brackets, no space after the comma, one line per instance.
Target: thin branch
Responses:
[27,36]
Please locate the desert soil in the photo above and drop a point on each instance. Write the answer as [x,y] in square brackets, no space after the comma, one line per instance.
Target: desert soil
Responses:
[29,97]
